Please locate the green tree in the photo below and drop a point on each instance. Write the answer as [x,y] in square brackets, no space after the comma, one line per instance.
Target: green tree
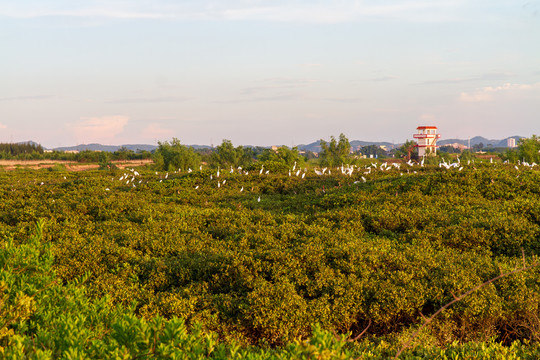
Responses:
[281,159]
[227,155]
[374,150]
[335,152]
[467,155]
[408,150]
[478,147]
[173,155]
[123,153]
[283,155]
[529,149]
[104,159]
[511,155]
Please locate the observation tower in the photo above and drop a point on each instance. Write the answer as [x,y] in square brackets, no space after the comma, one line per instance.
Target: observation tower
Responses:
[427,140]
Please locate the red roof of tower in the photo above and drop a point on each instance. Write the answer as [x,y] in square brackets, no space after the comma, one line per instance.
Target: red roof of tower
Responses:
[426,127]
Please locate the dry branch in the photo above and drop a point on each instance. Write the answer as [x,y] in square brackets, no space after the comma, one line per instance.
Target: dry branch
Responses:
[458,298]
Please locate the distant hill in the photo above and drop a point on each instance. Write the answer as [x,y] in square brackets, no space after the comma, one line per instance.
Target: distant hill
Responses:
[478,140]
[29,142]
[109,148]
[113,148]
[314,146]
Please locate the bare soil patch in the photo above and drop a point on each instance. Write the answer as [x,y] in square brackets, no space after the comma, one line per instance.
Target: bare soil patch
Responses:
[70,165]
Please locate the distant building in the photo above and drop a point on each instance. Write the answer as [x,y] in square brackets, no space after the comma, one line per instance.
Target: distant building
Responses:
[511,142]
[458,146]
[427,140]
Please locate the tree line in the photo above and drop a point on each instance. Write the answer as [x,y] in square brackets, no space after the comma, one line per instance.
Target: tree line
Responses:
[10,149]
[173,155]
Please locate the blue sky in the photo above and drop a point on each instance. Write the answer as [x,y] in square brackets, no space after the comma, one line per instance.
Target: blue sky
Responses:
[267,72]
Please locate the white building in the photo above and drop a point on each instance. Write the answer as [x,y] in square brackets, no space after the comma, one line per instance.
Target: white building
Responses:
[511,142]
[427,140]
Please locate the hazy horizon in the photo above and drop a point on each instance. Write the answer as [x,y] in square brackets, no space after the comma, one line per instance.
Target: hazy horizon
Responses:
[259,145]
[267,72]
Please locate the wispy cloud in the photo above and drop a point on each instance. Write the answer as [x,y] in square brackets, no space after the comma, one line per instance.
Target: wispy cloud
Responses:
[99,129]
[488,93]
[277,84]
[311,65]
[283,97]
[157,131]
[482,77]
[338,12]
[26,98]
[383,78]
[324,11]
[111,11]
[343,99]
[162,99]
[262,98]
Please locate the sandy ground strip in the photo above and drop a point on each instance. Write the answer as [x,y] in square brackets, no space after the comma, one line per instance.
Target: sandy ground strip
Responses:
[70,165]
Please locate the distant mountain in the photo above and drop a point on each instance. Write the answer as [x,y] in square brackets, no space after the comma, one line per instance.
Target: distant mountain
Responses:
[479,140]
[316,147]
[29,142]
[113,148]
[108,148]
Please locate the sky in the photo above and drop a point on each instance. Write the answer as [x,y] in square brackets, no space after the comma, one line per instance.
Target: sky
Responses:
[266,72]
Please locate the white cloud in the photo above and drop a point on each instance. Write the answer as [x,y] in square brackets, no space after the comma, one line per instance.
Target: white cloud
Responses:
[488,93]
[479,96]
[102,129]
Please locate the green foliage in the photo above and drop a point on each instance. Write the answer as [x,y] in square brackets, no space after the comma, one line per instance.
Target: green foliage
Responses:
[172,156]
[529,149]
[408,150]
[177,265]
[467,155]
[226,155]
[335,153]
[373,151]
[281,159]
[10,150]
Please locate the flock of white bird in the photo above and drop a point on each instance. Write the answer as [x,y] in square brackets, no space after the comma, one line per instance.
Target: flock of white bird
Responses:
[134,178]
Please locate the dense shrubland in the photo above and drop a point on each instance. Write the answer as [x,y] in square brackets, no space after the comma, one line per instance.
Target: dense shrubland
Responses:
[259,269]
